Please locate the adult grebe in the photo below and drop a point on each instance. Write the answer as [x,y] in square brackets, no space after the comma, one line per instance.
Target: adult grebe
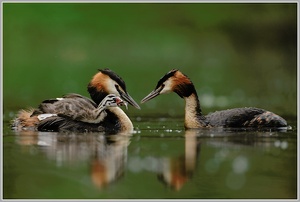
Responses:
[175,81]
[103,83]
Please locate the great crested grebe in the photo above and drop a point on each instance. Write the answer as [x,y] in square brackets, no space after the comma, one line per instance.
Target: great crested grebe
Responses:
[70,108]
[175,81]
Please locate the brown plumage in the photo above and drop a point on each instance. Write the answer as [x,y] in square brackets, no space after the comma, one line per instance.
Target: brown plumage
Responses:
[75,112]
[175,81]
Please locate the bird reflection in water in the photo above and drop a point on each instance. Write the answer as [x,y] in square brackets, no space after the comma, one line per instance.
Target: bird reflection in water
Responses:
[106,155]
[108,163]
[174,172]
[177,171]
[108,160]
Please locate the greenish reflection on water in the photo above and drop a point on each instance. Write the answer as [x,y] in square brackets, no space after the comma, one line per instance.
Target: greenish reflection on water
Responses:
[160,160]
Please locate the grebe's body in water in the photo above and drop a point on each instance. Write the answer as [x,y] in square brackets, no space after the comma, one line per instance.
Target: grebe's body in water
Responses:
[175,81]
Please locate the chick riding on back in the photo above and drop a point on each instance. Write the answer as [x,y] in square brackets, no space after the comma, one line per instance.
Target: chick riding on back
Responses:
[103,83]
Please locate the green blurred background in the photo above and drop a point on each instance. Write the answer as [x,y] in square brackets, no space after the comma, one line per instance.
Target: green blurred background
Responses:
[242,54]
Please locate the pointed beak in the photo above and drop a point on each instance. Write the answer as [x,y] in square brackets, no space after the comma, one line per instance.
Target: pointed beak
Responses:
[129,99]
[151,95]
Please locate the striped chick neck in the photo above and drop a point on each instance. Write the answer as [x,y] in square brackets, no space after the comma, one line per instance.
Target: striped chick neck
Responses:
[108,101]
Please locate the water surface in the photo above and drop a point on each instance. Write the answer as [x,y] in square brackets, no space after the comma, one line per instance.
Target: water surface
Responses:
[160,160]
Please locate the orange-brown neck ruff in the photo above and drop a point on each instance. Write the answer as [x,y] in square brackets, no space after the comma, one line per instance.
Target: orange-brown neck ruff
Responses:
[98,81]
[183,86]
[97,87]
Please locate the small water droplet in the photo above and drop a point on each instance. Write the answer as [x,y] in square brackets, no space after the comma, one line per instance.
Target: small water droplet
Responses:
[277,143]
[284,145]
[240,164]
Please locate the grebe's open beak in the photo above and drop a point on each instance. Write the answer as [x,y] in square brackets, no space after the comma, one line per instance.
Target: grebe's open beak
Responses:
[129,99]
[152,95]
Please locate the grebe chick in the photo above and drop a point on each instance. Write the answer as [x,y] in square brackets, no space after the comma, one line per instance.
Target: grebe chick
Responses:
[103,83]
[74,116]
[109,118]
[175,81]
[79,109]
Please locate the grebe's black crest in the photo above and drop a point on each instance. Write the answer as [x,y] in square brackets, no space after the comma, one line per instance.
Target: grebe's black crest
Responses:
[181,84]
[114,77]
[165,77]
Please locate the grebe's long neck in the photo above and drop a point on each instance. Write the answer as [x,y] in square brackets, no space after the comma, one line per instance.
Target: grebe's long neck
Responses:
[123,122]
[193,113]
[186,89]
[179,83]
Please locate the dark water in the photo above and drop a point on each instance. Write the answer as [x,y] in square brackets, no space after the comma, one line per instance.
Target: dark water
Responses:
[160,160]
